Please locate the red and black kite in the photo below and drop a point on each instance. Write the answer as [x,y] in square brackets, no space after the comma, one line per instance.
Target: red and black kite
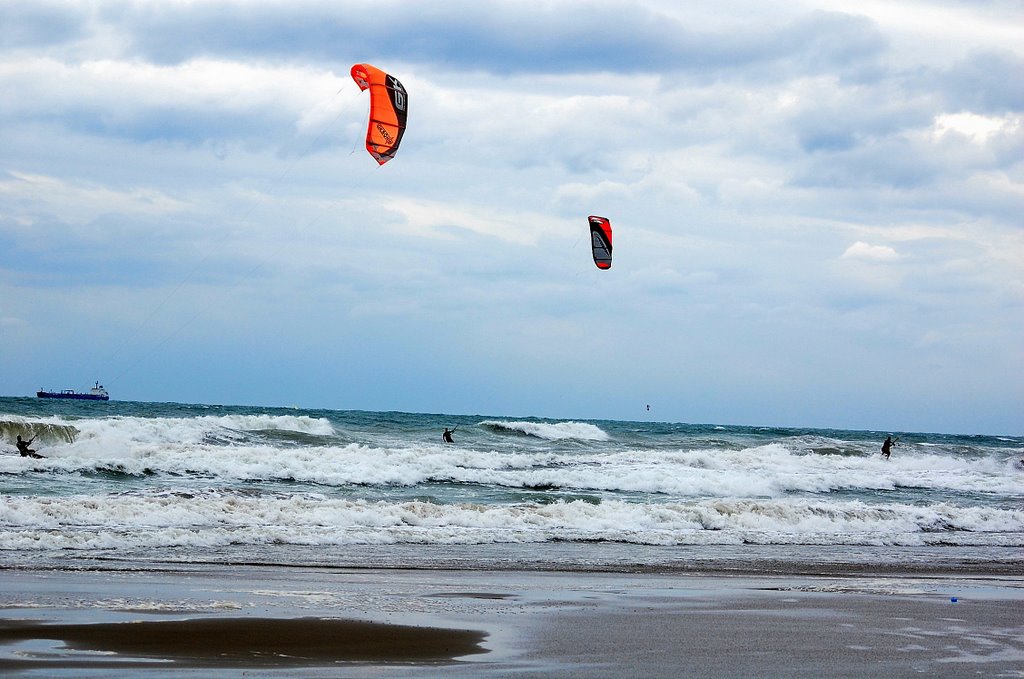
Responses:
[601,240]
[389,105]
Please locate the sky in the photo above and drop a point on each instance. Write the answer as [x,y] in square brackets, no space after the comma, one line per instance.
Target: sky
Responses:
[817,208]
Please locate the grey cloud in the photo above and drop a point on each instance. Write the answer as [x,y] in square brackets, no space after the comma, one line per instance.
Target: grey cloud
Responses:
[985,82]
[892,162]
[502,37]
[836,43]
[855,116]
[183,125]
[899,162]
[39,24]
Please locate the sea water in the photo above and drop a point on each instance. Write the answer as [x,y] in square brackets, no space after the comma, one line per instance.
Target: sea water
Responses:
[145,483]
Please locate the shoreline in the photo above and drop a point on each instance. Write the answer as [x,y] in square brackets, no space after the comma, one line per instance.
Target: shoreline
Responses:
[568,557]
[308,621]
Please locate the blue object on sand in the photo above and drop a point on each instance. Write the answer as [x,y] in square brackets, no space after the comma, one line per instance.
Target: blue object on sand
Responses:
[953,599]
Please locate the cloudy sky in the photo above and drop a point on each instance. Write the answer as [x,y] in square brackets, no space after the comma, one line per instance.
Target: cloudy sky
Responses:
[817,208]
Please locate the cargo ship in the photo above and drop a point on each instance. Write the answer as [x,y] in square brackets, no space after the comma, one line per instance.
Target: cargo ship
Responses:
[97,393]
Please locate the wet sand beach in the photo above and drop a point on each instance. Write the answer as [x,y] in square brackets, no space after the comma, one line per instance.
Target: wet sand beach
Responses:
[274,621]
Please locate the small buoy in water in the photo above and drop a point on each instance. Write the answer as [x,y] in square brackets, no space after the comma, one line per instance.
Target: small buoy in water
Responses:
[953,599]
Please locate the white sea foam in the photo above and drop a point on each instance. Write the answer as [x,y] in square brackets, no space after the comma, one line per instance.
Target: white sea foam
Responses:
[147,447]
[217,518]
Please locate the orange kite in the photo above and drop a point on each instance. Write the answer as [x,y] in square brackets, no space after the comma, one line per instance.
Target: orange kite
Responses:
[389,105]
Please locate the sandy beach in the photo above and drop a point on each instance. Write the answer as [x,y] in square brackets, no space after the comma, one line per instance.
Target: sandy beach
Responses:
[274,621]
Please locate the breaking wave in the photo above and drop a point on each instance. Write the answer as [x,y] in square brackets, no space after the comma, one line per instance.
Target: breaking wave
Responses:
[559,431]
[211,518]
[173,478]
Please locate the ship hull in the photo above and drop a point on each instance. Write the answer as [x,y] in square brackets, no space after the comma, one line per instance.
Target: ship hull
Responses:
[72,395]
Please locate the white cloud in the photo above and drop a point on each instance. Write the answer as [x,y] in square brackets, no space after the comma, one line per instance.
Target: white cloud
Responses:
[978,128]
[871,253]
[436,220]
[27,195]
[578,192]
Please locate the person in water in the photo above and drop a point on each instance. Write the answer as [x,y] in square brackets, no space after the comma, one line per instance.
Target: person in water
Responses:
[23,447]
[887,447]
[447,435]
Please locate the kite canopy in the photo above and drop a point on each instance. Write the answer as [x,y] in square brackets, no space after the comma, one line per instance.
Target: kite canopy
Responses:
[601,240]
[388,108]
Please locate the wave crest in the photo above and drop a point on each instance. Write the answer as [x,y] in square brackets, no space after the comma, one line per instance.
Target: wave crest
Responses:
[45,432]
[557,431]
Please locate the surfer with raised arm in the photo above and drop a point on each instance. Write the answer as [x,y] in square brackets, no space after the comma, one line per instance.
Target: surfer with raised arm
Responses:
[23,447]
[447,435]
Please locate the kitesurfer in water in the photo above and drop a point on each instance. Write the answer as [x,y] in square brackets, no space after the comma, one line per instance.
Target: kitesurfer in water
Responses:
[887,447]
[447,435]
[23,447]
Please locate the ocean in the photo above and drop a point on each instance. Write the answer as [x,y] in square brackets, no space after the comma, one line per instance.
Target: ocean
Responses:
[138,485]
